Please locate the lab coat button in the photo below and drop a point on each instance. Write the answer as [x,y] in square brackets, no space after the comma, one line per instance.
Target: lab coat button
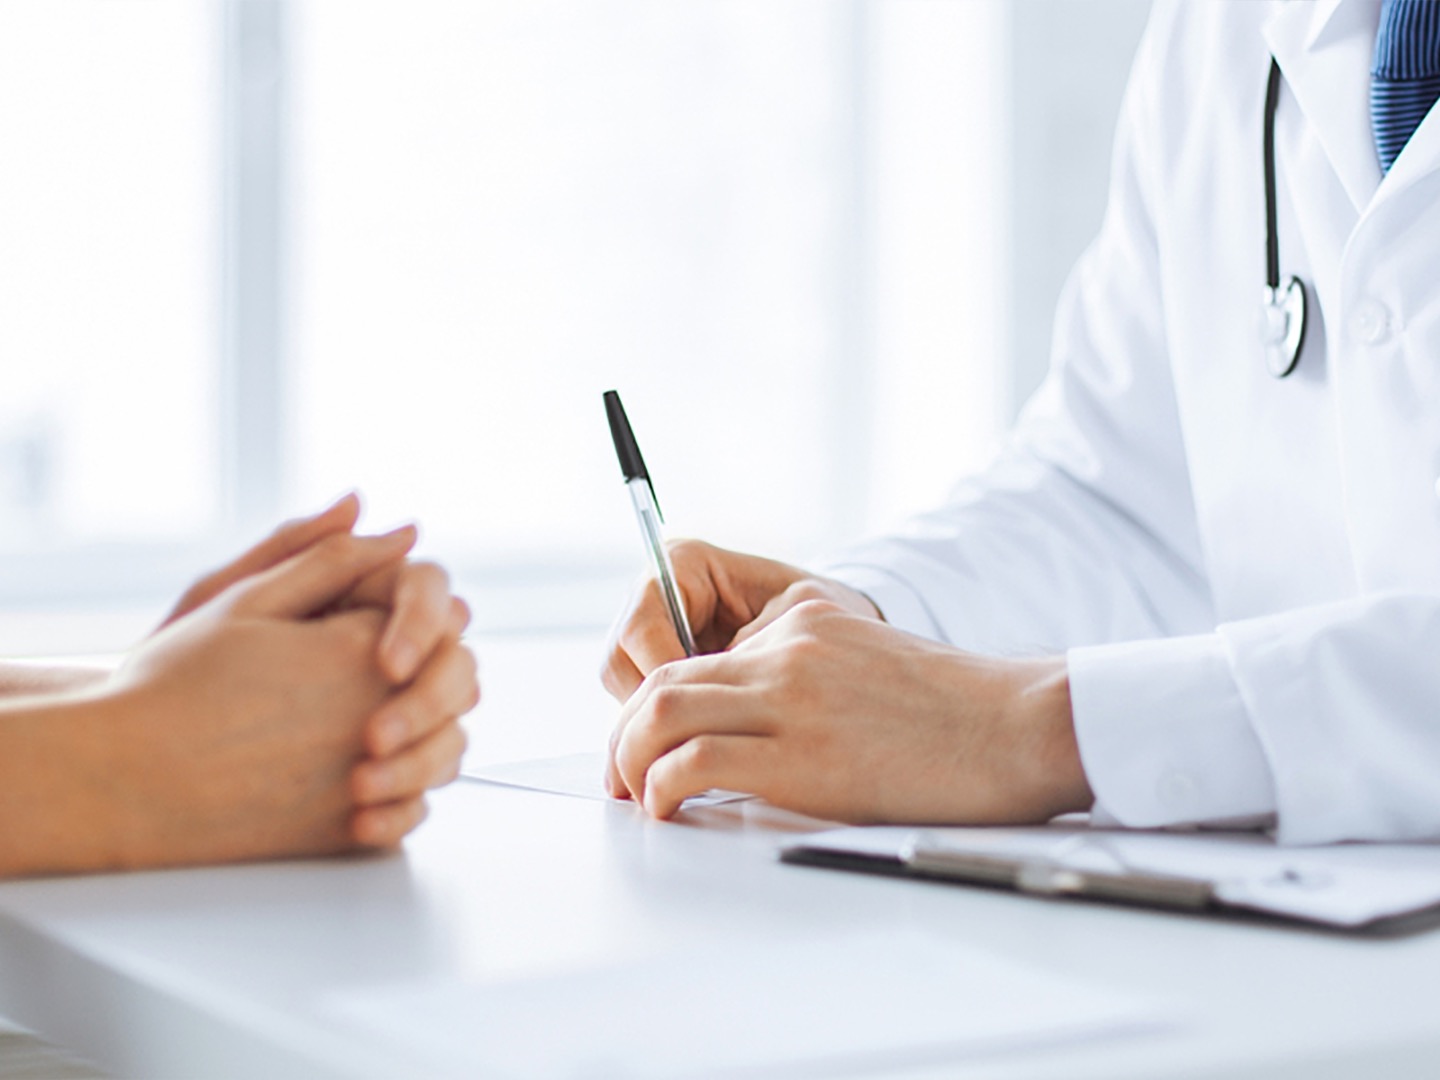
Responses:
[1370,322]
[1177,790]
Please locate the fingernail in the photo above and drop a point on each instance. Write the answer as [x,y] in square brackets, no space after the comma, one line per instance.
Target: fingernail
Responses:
[403,657]
[400,539]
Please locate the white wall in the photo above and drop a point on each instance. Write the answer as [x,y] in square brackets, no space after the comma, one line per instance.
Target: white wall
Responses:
[1069,60]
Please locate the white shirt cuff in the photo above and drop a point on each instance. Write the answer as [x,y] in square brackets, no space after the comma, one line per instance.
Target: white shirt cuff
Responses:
[1164,736]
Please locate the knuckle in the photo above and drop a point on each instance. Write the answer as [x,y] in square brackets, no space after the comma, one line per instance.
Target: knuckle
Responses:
[618,684]
[701,754]
[635,628]
[433,572]
[451,742]
[624,755]
[462,689]
[665,704]
[661,785]
[666,676]
[428,701]
[812,610]
[447,767]
[807,589]
[401,774]
[805,646]
[357,787]
[397,821]
[427,577]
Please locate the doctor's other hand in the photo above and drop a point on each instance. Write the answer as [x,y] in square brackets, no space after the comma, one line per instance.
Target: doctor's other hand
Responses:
[729,597]
[236,729]
[844,717]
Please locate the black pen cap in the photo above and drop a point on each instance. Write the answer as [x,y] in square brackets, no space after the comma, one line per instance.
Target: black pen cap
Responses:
[631,463]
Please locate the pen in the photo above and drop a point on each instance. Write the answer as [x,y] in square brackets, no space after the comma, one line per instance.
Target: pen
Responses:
[647,512]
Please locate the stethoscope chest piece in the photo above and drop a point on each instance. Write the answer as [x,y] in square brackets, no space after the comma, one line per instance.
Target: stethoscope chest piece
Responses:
[1284,327]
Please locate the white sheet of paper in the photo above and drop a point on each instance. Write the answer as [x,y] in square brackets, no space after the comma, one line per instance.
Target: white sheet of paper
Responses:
[580,775]
[886,999]
[1343,884]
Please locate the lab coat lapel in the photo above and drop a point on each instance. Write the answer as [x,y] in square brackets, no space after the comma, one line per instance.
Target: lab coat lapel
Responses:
[1324,51]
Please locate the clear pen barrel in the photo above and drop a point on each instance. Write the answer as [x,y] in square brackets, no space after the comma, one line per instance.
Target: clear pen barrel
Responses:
[648,514]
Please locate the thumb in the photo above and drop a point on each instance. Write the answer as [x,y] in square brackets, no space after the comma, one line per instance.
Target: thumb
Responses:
[322,574]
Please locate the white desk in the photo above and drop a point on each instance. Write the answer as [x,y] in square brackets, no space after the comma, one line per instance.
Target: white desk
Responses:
[220,972]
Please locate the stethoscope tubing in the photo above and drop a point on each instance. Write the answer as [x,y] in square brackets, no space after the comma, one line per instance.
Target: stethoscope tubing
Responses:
[1283,333]
[1272,226]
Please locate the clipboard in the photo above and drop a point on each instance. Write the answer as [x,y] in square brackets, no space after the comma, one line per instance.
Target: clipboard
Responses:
[1348,886]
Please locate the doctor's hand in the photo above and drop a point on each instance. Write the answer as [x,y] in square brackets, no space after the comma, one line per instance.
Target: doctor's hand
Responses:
[730,597]
[843,717]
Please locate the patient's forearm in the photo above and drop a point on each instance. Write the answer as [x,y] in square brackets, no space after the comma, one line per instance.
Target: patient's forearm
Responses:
[52,784]
[20,678]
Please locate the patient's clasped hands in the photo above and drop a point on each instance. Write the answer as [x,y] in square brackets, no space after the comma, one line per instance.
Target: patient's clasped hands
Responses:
[299,701]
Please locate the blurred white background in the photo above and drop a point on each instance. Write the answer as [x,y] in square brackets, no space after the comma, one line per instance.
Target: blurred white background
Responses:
[254,253]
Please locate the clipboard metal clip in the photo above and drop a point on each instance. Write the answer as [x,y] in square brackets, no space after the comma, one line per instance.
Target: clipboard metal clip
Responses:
[1052,875]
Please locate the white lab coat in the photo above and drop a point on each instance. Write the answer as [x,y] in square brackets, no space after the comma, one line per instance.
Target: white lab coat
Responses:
[1245,572]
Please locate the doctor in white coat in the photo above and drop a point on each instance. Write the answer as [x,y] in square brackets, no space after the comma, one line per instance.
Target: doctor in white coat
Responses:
[1189,591]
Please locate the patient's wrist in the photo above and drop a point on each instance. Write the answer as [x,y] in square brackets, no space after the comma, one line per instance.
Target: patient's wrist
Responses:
[55,782]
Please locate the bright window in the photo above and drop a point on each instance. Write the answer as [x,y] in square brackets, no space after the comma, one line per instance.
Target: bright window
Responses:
[108,273]
[774,227]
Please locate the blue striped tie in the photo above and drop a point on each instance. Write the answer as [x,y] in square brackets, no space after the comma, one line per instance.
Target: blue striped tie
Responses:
[1405,78]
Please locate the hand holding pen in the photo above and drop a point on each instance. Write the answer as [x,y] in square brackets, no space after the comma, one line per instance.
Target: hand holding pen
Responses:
[732,596]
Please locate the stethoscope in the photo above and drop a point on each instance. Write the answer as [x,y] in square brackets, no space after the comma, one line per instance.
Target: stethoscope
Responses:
[1283,328]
